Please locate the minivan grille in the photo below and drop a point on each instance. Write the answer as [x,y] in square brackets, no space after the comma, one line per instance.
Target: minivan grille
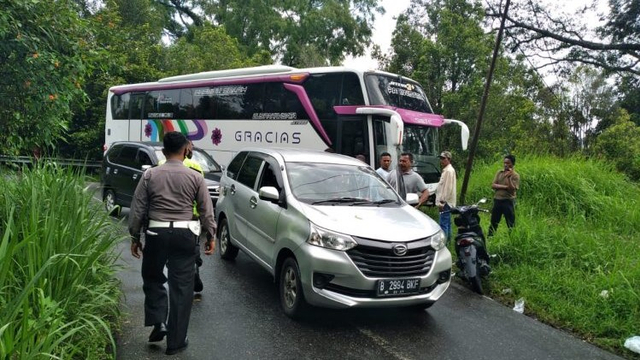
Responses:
[379,260]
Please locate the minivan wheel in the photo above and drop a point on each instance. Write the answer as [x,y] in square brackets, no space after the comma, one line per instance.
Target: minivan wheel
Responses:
[227,250]
[110,205]
[291,294]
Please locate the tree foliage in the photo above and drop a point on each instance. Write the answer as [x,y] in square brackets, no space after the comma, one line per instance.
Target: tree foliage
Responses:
[45,54]
[289,30]
[443,45]
[208,48]
[620,144]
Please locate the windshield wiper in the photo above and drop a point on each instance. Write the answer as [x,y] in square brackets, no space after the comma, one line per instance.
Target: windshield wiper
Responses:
[384,201]
[341,200]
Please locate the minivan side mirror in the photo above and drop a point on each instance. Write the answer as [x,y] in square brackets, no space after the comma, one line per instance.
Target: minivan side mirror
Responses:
[269,193]
[412,199]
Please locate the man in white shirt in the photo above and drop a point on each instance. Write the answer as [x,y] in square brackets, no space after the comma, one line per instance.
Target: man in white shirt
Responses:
[385,165]
[446,193]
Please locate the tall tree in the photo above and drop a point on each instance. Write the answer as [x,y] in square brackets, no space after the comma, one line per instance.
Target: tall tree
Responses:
[557,37]
[208,48]
[289,30]
[44,47]
[592,100]
[443,45]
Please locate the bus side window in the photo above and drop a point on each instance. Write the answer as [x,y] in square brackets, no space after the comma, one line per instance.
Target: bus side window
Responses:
[186,109]
[351,90]
[136,103]
[120,106]
[324,92]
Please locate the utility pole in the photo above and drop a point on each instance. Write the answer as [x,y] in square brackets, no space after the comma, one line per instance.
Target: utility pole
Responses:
[483,105]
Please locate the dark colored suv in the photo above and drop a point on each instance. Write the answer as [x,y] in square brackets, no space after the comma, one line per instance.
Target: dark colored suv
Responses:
[125,161]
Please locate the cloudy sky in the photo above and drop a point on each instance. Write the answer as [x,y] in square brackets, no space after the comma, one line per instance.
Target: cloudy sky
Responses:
[384,26]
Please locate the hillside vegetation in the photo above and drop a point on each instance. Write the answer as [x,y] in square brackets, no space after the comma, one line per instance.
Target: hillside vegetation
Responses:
[59,297]
[574,255]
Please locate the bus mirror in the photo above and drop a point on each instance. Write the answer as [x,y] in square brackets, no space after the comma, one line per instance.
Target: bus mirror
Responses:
[464,131]
[413,199]
[398,126]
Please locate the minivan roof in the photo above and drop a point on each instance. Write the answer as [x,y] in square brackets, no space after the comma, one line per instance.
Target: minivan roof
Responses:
[303,155]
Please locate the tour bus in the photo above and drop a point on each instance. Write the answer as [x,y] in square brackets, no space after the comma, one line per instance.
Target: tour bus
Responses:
[338,109]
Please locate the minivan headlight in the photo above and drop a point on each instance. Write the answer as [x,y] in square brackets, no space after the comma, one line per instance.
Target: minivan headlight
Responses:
[330,239]
[438,241]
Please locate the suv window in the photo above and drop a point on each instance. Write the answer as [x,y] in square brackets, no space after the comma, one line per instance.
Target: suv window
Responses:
[249,171]
[269,177]
[112,154]
[234,165]
[127,156]
[143,158]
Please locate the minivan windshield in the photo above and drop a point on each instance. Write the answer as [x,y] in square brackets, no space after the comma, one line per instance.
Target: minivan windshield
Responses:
[205,160]
[335,184]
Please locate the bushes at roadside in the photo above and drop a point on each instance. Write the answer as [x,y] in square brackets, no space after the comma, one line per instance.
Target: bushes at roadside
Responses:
[575,252]
[58,293]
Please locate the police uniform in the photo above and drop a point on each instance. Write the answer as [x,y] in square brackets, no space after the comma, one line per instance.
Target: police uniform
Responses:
[165,196]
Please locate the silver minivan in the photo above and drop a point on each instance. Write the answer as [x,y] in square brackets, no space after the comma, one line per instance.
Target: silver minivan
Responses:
[330,231]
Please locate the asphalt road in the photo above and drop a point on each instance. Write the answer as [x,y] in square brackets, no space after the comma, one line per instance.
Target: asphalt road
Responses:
[238,316]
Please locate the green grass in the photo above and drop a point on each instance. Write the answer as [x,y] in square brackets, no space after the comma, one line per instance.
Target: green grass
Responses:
[58,293]
[576,236]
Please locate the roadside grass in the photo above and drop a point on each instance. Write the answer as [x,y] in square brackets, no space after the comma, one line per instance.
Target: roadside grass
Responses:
[574,255]
[59,297]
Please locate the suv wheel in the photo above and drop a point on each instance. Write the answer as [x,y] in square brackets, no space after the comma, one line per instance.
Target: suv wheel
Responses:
[110,205]
[227,250]
[291,294]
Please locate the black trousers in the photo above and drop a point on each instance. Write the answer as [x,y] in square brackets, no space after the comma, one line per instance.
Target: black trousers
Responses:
[175,249]
[502,207]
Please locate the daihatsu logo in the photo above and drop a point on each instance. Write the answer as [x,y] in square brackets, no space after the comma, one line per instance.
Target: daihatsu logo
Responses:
[400,249]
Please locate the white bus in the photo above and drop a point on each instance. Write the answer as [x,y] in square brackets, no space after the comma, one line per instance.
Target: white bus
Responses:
[347,110]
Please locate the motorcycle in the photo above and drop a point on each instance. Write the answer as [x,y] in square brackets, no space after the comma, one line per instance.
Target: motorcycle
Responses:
[470,246]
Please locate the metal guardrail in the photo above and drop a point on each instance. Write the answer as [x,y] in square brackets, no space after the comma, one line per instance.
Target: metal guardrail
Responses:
[64,162]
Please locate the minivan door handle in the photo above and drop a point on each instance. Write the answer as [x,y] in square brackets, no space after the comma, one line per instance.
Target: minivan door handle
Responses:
[232,189]
[135,176]
[253,202]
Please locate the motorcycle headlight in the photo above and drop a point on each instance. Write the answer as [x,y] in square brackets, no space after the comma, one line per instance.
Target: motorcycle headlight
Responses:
[330,239]
[439,240]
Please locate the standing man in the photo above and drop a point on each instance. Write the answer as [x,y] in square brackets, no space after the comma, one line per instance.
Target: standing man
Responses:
[446,193]
[385,163]
[505,184]
[193,165]
[413,182]
[165,197]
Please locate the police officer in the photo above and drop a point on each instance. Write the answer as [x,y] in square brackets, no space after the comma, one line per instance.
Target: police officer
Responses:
[164,197]
[194,165]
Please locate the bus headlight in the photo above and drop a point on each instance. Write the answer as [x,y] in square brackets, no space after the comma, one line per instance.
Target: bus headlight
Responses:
[330,239]
[439,240]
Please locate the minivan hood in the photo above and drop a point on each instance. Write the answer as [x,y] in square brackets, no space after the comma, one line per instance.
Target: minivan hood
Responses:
[381,223]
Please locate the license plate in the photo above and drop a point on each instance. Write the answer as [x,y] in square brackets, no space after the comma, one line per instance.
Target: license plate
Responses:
[398,287]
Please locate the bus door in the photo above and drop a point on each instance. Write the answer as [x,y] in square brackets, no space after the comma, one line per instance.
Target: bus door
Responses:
[353,136]
[136,124]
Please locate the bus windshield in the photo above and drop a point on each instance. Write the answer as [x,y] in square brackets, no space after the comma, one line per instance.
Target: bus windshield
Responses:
[397,92]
